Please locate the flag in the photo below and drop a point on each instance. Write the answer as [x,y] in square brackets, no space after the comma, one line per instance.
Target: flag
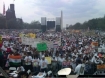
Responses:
[14,60]
[3,9]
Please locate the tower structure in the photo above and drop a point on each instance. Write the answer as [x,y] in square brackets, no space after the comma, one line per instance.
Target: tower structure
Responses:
[3,9]
[61,20]
[10,13]
[43,24]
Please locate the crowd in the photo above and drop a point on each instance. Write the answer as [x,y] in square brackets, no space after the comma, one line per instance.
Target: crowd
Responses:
[75,52]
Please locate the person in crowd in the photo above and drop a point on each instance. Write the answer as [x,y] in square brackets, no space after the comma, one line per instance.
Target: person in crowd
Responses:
[87,70]
[77,47]
[43,64]
[35,63]
[54,65]
[78,60]
[20,69]
[98,60]
[79,70]
[28,62]
[73,62]
[61,59]
[66,63]
[1,59]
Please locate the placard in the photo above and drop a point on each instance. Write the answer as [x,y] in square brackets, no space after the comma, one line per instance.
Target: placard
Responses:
[101,66]
[48,59]
[41,46]
[94,43]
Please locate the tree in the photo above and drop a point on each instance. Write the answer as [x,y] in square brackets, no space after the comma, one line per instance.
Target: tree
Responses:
[97,23]
[2,22]
[11,24]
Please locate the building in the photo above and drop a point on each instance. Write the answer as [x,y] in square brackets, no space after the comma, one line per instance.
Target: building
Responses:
[10,13]
[15,22]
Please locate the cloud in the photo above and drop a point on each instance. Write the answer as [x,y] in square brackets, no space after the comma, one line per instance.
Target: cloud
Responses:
[73,10]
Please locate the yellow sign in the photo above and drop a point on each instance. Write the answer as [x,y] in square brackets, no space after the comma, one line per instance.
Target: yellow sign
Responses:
[48,59]
[94,43]
[0,39]
[32,35]
[101,66]
[20,35]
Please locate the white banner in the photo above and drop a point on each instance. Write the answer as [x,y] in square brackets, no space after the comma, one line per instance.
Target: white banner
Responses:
[101,50]
[34,42]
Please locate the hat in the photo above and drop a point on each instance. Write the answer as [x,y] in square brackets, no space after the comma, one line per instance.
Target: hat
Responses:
[97,56]
[43,56]
[65,71]
[87,61]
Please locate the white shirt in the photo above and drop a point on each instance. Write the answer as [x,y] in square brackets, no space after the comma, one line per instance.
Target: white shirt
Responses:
[35,62]
[54,59]
[26,49]
[79,70]
[3,48]
[21,68]
[6,43]
[79,51]
[28,60]
[43,63]
[61,59]
[97,61]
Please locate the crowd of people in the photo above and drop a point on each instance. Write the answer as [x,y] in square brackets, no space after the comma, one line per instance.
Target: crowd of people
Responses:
[76,52]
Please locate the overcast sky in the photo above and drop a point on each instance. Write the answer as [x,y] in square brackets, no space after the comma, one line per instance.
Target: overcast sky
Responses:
[73,10]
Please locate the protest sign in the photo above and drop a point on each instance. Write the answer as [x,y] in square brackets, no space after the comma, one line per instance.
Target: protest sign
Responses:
[101,66]
[41,46]
[101,50]
[0,39]
[31,35]
[94,43]
[35,44]
[48,59]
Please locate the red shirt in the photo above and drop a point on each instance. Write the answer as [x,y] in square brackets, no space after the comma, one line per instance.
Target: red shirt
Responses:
[8,49]
[0,45]
[65,63]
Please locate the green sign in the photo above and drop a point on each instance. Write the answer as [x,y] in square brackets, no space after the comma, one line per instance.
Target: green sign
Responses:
[41,46]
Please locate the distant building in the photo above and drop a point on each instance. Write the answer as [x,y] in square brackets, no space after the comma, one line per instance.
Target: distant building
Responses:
[19,20]
[10,13]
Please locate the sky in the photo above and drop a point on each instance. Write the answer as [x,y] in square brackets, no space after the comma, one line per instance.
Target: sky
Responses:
[73,10]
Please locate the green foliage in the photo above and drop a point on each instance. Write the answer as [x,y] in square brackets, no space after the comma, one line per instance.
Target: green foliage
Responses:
[2,22]
[97,23]
[32,25]
[17,24]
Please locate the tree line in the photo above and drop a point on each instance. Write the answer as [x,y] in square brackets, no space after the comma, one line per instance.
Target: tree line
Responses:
[17,24]
[96,24]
